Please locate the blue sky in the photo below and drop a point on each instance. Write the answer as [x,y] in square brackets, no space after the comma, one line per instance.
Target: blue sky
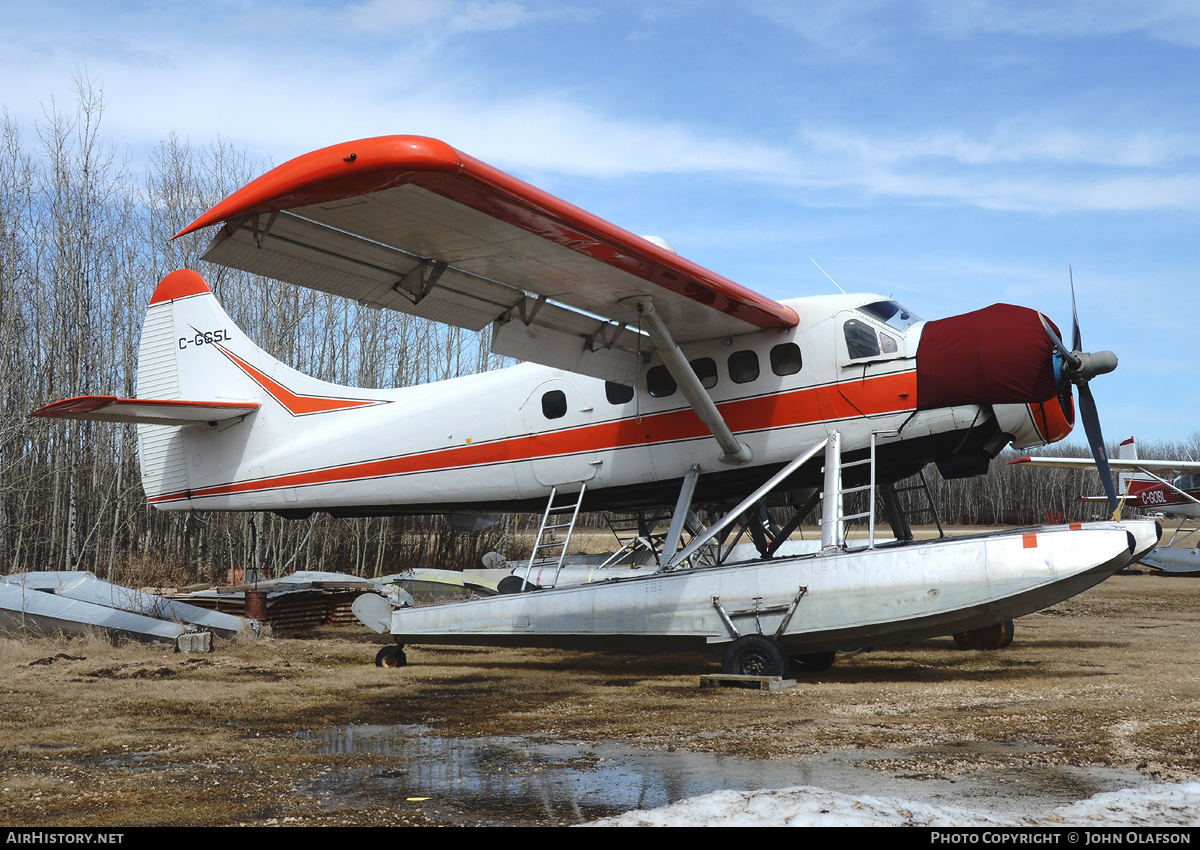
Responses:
[952,153]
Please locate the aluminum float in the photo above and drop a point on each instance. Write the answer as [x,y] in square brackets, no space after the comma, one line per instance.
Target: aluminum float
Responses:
[765,612]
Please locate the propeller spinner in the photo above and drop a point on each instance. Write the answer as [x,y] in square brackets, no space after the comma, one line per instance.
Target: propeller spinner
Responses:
[1079,367]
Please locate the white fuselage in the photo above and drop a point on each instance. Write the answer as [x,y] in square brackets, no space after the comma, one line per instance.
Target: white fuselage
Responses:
[511,435]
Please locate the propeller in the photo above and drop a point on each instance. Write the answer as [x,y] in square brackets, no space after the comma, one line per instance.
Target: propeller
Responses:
[1078,368]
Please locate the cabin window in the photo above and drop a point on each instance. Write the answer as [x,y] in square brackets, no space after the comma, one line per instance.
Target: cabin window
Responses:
[886,344]
[554,404]
[659,382]
[706,370]
[743,367]
[861,340]
[617,393]
[785,359]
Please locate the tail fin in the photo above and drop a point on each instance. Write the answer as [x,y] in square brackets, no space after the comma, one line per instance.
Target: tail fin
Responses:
[183,317]
[196,367]
[1128,451]
[182,337]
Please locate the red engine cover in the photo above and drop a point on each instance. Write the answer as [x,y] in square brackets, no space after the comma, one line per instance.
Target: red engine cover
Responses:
[998,355]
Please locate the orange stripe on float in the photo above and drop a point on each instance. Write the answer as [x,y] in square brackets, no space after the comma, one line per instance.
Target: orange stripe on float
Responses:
[1029,540]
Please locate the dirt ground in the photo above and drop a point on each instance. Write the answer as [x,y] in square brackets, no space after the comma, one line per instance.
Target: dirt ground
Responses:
[101,735]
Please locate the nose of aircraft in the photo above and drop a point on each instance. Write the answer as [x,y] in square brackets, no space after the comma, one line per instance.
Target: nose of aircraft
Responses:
[1005,354]
[998,355]
[1078,367]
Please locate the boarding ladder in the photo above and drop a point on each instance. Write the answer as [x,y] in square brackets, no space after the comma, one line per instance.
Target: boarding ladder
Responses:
[833,516]
[548,537]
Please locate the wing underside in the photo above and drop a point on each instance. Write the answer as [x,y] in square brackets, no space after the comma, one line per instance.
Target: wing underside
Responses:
[410,224]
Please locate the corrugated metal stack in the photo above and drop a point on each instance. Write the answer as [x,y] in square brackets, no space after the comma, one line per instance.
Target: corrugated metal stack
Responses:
[289,604]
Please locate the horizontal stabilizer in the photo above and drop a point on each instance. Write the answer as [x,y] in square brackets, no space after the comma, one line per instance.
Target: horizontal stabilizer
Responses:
[149,411]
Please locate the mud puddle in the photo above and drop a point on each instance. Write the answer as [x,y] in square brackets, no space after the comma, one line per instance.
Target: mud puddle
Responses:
[525,781]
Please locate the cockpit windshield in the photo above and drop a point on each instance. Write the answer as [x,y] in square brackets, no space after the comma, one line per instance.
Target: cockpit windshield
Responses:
[892,313]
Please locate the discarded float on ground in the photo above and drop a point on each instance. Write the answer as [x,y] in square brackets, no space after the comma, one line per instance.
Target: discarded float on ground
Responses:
[75,602]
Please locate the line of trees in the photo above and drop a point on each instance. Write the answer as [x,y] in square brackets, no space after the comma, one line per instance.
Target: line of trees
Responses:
[83,241]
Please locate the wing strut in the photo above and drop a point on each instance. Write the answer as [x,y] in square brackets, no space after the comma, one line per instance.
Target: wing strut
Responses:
[735,452]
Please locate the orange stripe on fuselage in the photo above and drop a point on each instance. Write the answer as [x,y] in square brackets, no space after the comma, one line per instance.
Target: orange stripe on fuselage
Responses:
[1155,495]
[883,394]
[297,405]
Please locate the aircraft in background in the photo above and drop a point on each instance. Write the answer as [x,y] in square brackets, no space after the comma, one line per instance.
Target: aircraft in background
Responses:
[648,380]
[1170,487]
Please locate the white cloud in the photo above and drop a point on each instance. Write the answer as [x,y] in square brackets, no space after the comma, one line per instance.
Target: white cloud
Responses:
[1011,142]
[1042,194]
[858,27]
[553,134]
[1176,21]
[167,78]
[390,17]
[1018,166]
[851,27]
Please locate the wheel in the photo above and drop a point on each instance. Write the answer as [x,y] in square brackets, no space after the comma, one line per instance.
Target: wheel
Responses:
[755,655]
[391,656]
[1007,639]
[990,637]
[996,636]
[813,662]
[514,584]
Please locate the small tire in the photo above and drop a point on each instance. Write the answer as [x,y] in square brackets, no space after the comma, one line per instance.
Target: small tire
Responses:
[1007,640]
[391,656]
[813,662]
[995,636]
[514,584]
[755,655]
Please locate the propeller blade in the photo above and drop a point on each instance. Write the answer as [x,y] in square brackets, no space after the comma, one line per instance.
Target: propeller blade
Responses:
[1070,359]
[1079,367]
[1091,426]
[1076,337]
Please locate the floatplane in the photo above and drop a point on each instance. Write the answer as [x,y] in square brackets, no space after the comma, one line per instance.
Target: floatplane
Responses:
[647,380]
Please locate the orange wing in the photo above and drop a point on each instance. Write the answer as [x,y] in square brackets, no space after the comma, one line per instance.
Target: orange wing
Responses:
[411,224]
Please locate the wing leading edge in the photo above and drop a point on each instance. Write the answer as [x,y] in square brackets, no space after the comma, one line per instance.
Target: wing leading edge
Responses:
[411,224]
[1130,464]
